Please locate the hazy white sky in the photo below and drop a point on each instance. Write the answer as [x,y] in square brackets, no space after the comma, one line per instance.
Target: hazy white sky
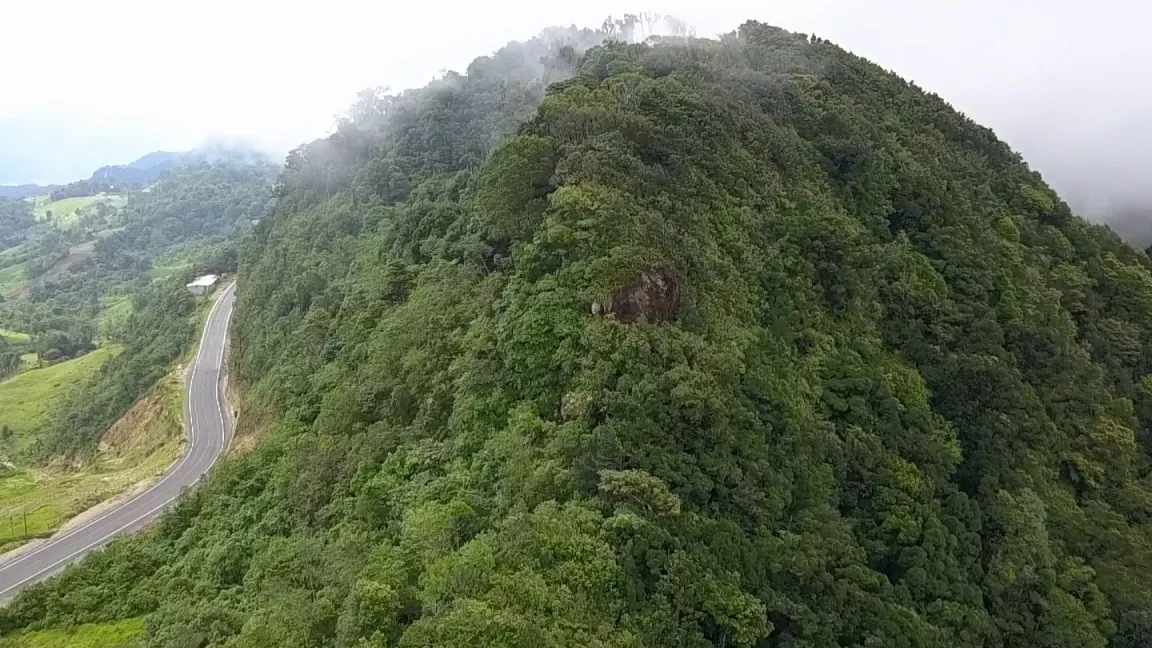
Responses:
[1064,81]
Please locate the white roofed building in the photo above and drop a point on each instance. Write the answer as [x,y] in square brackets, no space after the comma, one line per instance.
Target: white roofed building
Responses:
[203,285]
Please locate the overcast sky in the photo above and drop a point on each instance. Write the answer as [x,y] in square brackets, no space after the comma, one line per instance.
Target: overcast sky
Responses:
[1065,82]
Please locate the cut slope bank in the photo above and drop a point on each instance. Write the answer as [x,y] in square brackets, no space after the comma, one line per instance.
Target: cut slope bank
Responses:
[735,343]
[133,452]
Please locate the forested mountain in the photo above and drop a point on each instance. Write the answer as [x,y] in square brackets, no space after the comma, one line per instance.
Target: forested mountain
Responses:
[742,342]
[203,203]
[138,172]
[144,170]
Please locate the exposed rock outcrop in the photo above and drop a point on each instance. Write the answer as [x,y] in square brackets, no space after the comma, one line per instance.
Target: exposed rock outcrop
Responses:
[655,296]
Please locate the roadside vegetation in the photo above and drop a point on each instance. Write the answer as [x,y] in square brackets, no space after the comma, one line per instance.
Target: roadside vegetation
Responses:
[119,634]
[12,277]
[37,500]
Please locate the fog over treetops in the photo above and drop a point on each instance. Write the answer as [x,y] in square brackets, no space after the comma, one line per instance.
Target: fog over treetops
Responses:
[1059,81]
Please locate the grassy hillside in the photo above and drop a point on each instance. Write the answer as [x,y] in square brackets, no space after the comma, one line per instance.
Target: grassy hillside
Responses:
[66,211]
[29,397]
[136,448]
[14,254]
[15,336]
[737,343]
[114,312]
[12,267]
[12,278]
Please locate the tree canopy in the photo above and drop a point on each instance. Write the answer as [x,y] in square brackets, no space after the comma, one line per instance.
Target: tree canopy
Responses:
[735,342]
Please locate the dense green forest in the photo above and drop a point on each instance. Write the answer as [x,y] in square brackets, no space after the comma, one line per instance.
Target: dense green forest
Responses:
[735,342]
[195,210]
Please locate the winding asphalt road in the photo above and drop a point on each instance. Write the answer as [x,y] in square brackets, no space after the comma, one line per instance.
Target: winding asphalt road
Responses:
[208,430]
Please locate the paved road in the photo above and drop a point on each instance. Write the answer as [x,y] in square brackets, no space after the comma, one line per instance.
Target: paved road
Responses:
[208,427]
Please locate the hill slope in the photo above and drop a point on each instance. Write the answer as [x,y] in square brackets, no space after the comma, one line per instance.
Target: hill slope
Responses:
[738,343]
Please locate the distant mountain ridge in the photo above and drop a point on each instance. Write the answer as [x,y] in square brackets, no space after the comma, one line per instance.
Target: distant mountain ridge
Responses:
[142,170]
[18,192]
[157,158]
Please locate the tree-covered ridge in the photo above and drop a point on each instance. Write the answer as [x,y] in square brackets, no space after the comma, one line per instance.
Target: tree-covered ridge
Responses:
[737,343]
[195,207]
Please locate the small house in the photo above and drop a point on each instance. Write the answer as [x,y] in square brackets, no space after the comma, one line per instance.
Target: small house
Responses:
[203,285]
